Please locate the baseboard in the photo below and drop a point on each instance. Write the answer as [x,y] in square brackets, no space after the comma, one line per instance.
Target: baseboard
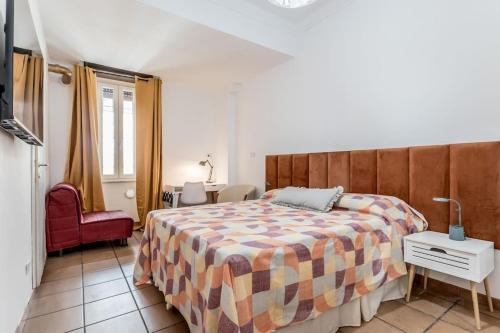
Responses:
[440,287]
[20,326]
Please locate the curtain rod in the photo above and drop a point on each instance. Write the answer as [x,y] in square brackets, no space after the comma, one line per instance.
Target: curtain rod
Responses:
[20,50]
[116,71]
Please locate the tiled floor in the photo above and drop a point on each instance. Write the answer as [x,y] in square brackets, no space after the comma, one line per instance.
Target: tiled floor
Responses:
[428,312]
[91,290]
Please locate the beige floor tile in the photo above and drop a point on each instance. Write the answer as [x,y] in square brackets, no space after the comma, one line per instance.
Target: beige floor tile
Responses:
[404,317]
[373,326]
[100,265]
[66,260]
[90,278]
[80,330]
[464,318]
[138,235]
[104,290]
[444,327]
[108,308]
[447,295]
[148,296]
[158,317]
[133,242]
[430,304]
[61,273]
[127,259]
[94,255]
[127,323]
[126,251]
[134,287]
[57,286]
[483,308]
[181,327]
[128,269]
[56,302]
[57,322]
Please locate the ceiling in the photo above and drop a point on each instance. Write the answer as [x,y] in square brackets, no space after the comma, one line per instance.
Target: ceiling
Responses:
[24,30]
[295,15]
[131,35]
[213,42]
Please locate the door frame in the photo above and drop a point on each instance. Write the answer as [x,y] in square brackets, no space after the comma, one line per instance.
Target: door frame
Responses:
[38,187]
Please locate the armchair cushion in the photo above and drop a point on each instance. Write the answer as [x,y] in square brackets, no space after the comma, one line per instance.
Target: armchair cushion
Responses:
[109,225]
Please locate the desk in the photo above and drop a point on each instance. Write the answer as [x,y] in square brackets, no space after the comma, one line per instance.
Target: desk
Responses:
[176,190]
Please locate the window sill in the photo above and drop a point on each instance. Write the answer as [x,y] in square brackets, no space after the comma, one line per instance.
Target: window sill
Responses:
[118,180]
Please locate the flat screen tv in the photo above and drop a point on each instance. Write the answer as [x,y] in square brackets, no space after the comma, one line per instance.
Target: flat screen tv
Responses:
[22,75]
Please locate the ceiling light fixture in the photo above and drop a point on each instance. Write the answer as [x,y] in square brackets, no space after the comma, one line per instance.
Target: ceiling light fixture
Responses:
[291,3]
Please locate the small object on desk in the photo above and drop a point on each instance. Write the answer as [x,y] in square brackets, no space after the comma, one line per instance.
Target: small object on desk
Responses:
[211,164]
[472,260]
[455,232]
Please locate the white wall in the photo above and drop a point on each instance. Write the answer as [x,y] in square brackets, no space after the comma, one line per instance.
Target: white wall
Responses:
[15,238]
[22,237]
[60,101]
[192,121]
[379,73]
[193,126]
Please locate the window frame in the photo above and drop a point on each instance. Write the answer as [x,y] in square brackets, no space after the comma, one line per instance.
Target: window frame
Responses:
[118,88]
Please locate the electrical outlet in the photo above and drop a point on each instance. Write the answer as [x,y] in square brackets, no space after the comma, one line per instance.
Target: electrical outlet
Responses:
[27,268]
[252,154]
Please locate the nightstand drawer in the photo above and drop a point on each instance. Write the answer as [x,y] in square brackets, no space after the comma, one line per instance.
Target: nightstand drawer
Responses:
[442,259]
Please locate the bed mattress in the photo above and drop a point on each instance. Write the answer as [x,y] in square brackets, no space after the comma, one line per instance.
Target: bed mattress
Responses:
[256,267]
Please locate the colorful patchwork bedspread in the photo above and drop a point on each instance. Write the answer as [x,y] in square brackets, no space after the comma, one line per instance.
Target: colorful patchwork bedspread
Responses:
[255,267]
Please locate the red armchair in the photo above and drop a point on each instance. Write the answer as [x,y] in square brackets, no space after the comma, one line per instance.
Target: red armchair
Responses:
[66,226]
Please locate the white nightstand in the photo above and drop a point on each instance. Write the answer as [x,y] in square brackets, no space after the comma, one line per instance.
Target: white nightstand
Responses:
[471,260]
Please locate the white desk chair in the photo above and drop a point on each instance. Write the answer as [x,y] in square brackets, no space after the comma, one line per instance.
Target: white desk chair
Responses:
[193,194]
[235,193]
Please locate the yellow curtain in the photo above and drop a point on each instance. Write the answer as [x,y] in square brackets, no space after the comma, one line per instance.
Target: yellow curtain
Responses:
[82,165]
[148,146]
[34,95]
[28,92]
[20,68]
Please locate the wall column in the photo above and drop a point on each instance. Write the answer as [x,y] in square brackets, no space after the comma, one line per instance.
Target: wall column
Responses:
[232,136]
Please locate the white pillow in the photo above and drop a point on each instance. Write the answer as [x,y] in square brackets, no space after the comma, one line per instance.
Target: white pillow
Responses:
[308,198]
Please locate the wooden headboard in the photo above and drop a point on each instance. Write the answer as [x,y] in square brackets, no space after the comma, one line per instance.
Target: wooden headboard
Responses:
[467,172]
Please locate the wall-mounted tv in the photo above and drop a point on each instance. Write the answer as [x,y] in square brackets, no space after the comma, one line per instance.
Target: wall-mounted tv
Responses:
[22,75]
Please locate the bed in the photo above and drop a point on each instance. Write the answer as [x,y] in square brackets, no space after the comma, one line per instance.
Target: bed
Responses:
[256,267]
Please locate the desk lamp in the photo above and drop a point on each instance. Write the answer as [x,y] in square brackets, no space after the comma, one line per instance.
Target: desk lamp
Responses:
[456,232]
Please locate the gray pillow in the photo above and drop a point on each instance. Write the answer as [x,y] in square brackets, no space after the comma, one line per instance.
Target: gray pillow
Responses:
[308,198]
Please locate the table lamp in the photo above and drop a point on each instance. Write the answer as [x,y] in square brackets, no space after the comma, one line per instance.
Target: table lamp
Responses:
[456,232]
[210,175]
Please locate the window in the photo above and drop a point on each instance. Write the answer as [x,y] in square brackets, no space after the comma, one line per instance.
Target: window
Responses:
[116,106]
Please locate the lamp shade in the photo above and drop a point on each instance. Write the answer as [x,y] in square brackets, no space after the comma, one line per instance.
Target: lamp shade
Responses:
[437,199]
